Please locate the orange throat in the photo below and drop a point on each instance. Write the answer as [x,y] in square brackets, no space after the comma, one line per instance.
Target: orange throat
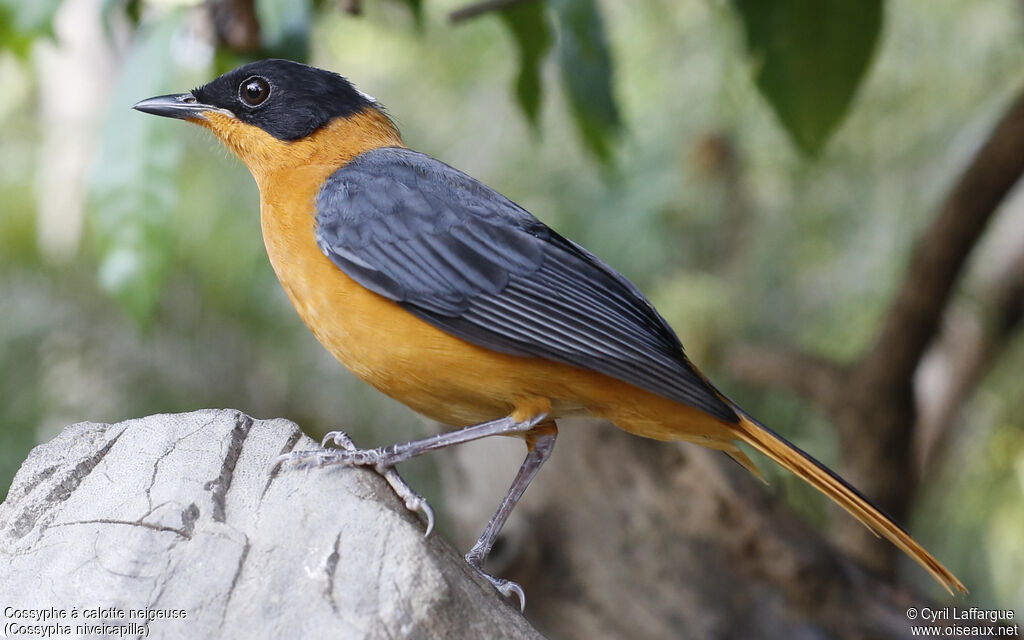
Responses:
[289,175]
[322,152]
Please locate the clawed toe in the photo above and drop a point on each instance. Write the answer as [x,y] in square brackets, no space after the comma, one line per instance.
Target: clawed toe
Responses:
[422,506]
[508,589]
[350,455]
[428,514]
[308,458]
[413,501]
[540,439]
[338,438]
[325,457]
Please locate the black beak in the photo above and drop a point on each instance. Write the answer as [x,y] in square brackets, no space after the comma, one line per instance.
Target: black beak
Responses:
[181,105]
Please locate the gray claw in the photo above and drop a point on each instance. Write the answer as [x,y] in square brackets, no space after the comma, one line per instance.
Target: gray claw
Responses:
[413,501]
[505,587]
[300,459]
[339,438]
[426,510]
[508,588]
[323,457]
[350,455]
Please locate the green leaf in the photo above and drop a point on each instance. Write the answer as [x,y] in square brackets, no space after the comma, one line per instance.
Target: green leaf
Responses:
[809,58]
[587,73]
[416,9]
[22,22]
[284,28]
[34,18]
[132,9]
[530,28]
[133,192]
[10,38]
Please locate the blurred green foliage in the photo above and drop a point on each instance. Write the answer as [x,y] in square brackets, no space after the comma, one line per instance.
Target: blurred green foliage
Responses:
[284,28]
[587,73]
[528,24]
[809,59]
[21,23]
[135,189]
[416,8]
[732,231]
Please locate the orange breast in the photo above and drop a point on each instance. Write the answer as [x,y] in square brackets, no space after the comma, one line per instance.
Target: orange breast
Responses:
[432,372]
[436,374]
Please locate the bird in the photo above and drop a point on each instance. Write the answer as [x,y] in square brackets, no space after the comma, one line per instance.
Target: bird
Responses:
[452,299]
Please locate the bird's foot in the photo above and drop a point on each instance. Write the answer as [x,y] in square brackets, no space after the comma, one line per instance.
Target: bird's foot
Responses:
[339,439]
[348,455]
[506,588]
[475,558]
[351,456]
[413,501]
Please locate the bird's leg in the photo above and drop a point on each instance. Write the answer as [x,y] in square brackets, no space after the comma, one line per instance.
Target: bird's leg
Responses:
[390,456]
[540,443]
[413,501]
[384,459]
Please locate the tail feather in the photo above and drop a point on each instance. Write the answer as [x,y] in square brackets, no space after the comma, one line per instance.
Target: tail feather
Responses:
[821,478]
[744,461]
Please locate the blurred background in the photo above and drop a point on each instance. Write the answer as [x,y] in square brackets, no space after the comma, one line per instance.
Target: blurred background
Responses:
[768,173]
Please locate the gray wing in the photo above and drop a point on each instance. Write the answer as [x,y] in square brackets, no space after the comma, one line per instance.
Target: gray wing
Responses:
[464,258]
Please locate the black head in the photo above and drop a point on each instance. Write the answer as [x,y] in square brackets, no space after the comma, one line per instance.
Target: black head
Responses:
[286,99]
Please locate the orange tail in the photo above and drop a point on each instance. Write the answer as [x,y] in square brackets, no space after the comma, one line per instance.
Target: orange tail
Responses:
[821,478]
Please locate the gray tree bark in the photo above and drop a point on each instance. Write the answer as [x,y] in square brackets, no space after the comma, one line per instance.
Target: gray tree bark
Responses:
[179,518]
[871,401]
[623,537]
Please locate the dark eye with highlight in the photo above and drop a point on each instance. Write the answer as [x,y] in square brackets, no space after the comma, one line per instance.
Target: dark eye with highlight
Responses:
[254,91]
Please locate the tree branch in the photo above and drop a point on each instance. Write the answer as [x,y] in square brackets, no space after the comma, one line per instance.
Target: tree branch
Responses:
[970,344]
[480,8]
[939,255]
[873,404]
[815,379]
[876,427]
[351,7]
[235,24]
[624,537]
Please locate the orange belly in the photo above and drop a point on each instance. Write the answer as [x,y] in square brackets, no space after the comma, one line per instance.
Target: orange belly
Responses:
[436,374]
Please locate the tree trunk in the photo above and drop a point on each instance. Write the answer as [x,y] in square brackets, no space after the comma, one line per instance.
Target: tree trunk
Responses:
[623,537]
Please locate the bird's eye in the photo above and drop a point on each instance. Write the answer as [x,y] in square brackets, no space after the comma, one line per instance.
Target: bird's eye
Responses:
[254,91]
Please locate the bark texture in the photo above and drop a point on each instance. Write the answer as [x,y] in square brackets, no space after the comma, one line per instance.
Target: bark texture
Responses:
[623,537]
[182,513]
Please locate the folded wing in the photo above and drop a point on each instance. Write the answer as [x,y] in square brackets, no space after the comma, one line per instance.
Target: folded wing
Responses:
[464,258]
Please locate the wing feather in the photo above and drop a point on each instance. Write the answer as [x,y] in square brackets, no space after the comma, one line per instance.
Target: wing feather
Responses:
[473,263]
